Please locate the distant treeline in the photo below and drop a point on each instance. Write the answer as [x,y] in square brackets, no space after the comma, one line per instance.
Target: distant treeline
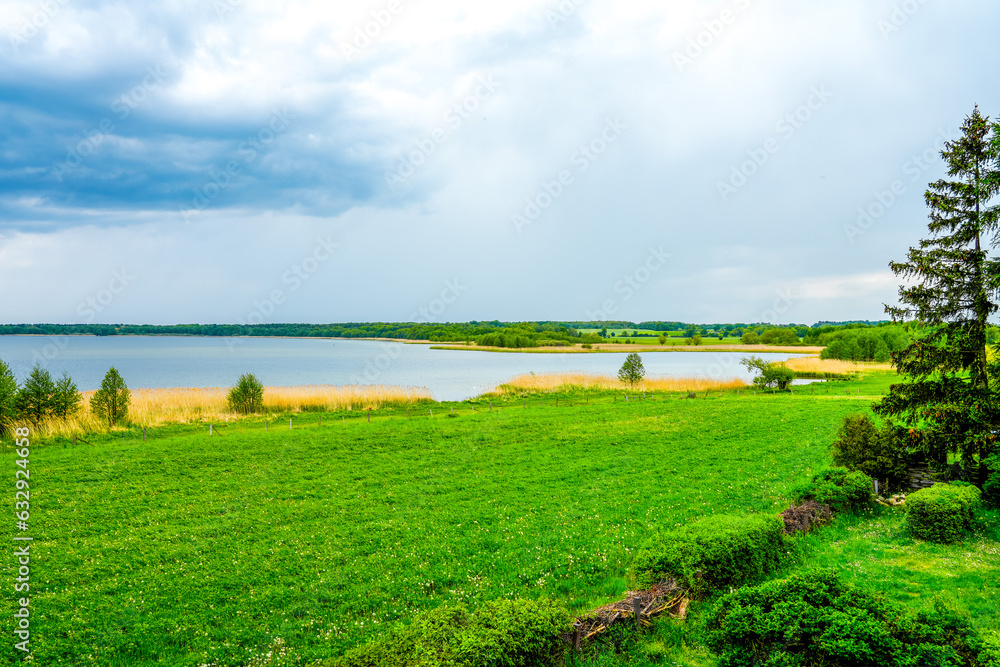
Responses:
[861,341]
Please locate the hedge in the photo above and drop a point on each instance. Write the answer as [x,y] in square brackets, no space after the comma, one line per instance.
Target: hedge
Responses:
[507,633]
[716,552]
[840,488]
[814,619]
[943,512]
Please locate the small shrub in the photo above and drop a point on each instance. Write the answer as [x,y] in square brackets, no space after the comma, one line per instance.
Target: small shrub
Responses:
[942,513]
[862,446]
[771,374]
[503,632]
[818,620]
[632,371]
[716,552]
[989,656]
[67,398]
[991,488]
[8,398]
[247,397]
[34,401]
[111,401]
[843,490]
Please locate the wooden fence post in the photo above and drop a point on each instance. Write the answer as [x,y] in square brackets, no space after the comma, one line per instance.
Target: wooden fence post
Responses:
[144,434]
[637,608]
[289,423]
[210,429]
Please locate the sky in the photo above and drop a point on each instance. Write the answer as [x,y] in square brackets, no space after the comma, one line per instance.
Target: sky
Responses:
[224,161]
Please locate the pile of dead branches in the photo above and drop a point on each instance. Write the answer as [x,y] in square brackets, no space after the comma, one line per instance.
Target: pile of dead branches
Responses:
[803,518]
[665,597]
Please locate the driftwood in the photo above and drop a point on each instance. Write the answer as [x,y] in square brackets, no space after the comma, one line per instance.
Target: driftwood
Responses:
[665,597]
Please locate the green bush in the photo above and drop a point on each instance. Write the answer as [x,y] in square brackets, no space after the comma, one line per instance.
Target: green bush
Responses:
[502,632]
[67,398]
[989,656]
[779,337]
[34,400]
[247,397]
[632,371]
[111,401]
[816,619]
[991,488]
[943,512]
[843,490]
[863,447]
[771,374]
[8,397]
[716,552]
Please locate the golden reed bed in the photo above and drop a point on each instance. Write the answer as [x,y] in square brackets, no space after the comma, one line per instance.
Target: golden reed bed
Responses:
[817,367]
[553,381]
[152,407]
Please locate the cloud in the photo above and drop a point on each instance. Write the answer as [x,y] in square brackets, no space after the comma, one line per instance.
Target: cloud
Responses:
[127,125]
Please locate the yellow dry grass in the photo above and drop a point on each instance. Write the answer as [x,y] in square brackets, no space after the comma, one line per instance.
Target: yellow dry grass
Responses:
[834,367]
[153,407]
[552,381]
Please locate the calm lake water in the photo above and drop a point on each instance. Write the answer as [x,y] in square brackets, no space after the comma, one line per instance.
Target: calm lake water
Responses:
[169,361]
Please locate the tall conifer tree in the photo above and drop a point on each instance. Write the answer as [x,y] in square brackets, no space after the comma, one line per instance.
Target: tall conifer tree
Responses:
[952,286]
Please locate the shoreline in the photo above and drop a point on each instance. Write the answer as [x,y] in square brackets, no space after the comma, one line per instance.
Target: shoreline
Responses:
[614,348]
[598,348]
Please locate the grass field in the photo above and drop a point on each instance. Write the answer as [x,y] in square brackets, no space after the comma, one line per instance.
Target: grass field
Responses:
[282,546]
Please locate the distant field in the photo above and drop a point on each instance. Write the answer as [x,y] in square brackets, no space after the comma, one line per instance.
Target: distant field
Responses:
[651,337]
[197,550]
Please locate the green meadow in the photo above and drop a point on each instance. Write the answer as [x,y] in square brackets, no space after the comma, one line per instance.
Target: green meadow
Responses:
[284,546]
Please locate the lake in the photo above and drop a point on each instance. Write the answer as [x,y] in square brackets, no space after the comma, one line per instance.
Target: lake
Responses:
[176,361]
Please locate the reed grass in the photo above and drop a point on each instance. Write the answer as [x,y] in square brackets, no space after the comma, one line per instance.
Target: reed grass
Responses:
[547,382]
[814,367]
[154,407]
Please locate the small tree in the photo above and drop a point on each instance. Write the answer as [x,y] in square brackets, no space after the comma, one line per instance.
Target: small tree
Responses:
[696,339]
[750,338]
[66,400]
[8,398]
[35,399]
[247,396]
[111,401]
[862,446]
[632,371]
[771,374]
